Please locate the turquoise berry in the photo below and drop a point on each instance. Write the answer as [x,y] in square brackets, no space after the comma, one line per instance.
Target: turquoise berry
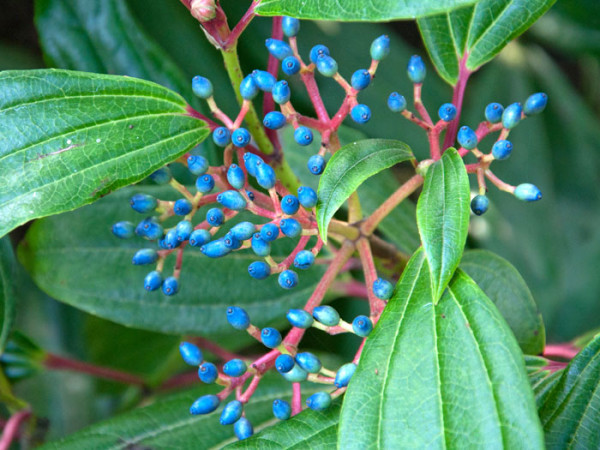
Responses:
[281,409]
[243,429]
[250,162]
[467,138]
[290,26]
[416,69]
[343,375]
[143,203]
[264,80]
[124,229]
[170,286]
[382,289]
[290,227]
[308,362]
[205,404]
[149,229]
[396,102]
[512,115]
[299,318]
[184,230]
[360,113]
[274,120]
[231,413]
[290,204]
[221,136]
[145,256]
[235,368]
[316,164]
[307,197]
[205,183]
[362,326]
[240,137]
[208,373]
[360,79]
[304,259]
[281,92]
[238,318]
[161,176]
[182,207]
[296,375]
[243,230]
[319,401]
[191,354]
[502,149]
[199,237]
[284,363]
[493,112]
[265,175]
[270,337]
[380,48]
[278,49]
[288,279]
[259,246]
[259,270]
[316,51]
[215,249]
[528,192]
[170,239]
[269,232]
[235,176]
[479,204]
[326,315]
[326,65]
[290,65]
[215,217]
[535,104]
[153,281]
[447,112]
[303,135]
[231,241]
[202,87]
[197,164]
[248,88]
[232,200]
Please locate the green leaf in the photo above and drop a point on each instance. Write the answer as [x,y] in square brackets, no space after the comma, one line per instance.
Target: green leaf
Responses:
[570,411]
[348,168]
[8,299]
[74,257]
[71,138]
[503,284]
[477,32]
[432,375]
[357,10]
[443,217]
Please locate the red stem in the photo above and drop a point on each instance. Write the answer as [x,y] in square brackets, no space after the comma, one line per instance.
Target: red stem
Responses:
[11,430]
[457,100]
[366,257]
[60,363]
[566,351]
[273,69]
[215,349]
[250,389]
[193,113]
[240,26]
[296,398]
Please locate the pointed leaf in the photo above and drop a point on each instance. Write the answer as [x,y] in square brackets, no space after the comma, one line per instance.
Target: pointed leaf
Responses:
[8,298]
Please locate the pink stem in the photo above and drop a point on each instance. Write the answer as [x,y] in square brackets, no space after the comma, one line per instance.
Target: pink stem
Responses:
[273,69]
[299,247]
[215,349]
[366,257]
[250,389]
[313,92]
[11,430]
[457,100]
[419,106]
[352,288]
[240,26]
[60,363]
[359,351]
[193,113]
[296,398]
[566,351]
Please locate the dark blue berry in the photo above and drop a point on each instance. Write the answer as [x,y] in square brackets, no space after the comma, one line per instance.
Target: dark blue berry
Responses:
[145,256]
[290,204]
[467,138]
[290,227]
[360,79]
[416,69]
[326,65]
[248,88]
[250,195]
[269,232]
[205,184]
[161,176]
[235,176]
[493,112]
[259,246]
[274,120]
[215,249]
[265,175]
[197,164]
[208,373]
[278,49]
[124,229]
[231,413]
[479,204]
[308,362]
[380,48]
[231,241]
[288,279]
[170,286]
[270,337]
[153,281]
[149,229]
[343,375]
[535,104]
[264,80]
[319,401]
[221,136]
[281,409]
[215,217]
[296,375]
[502,149]
[202,87]
[235,368]
[243,230]
[290,65]
[396,102]
[243,429]
[307,196]
[251,163]
[290,26]
[259,270]
[360,113]
[326,315]
[316,51]
[182,207]
[304,259]
[382,289]
[199,237]
[240,137]
[281,92]
[205,404]
[232,200]
[170,240]
[528,192]
[316,164]
[238,318]
[284,363]
[447,112]
[299,318]
[362,326]
[303,135]
[190,353]
[143,203]
[512,115]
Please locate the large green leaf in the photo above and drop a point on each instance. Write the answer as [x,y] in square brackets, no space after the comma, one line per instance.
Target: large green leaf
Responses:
[70,137]
[348,168]
[570,412]
[432,376]
[8,299]
[503,284]
[477,32]
[74,257]
[357,10]
[443,217]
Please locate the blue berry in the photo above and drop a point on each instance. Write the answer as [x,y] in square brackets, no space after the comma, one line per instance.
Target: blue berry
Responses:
[396,102]
[493,112]
[343,375]
[149,229]
[231,241]
[479,204]
[182,207]
[467,138]
[284,363]
[278,49]
[265,175]
[326,315]
[327,66]
[215,249]
[199,237]
[316,164]
[270,337]
[502,149]
[143,203]
[248,88]
[290,204]
[290,26]
[380,48]
[153,281]
[274,120]
[303,135]
[269,232]
[382,289]
[231,413]
[288,279]
[161,176]
[205,404]
[528,192]
[362,326]
[360,79]
[290,227]
[221,136]
[202,87]
[259,246]
[304,259]
[124,229]
[299,318]
[250,195]
[416,69]
[208,373]
[191,354]
[281,409]
[235,176]
[360,113]
[243,230]
[197,164]
[251,162]
[243,429]
[170,240]
[307,196]
[319,401]
[296,375]
[238,318]
[535,104]
[308,362]
[235,368]
[281,92]
[264,80]
[205,184]
[290,65]
[240,137]
[259,270]
[447,112]
[215,217]
[184,230]
[232,200]
[144,256]
[170,286]
[316,51]
[512,115]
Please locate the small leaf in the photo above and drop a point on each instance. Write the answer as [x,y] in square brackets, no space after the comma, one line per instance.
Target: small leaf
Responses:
[8,298]
[70,138]
[349,167]
[443,217]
